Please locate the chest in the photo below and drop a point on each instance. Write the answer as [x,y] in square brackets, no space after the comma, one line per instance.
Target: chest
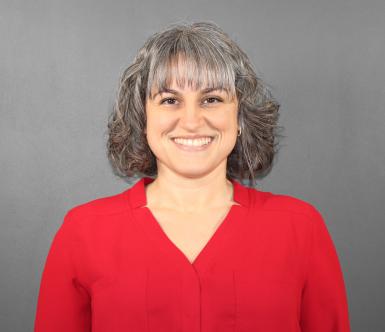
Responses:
[190,232]
[247,281]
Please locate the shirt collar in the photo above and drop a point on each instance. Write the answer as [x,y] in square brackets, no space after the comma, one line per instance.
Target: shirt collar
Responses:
[137,193]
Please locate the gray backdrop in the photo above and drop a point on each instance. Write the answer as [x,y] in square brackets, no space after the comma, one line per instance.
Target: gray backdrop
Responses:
[60,65]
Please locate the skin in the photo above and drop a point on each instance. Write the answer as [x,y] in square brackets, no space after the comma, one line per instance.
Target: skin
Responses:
[191,182]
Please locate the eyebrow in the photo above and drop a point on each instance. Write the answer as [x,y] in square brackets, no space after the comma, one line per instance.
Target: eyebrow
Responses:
[207,90]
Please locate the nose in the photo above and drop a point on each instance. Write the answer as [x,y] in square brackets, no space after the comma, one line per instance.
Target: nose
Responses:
[191,116]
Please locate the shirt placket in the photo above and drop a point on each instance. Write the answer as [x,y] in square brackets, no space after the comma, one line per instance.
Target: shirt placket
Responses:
[191,300]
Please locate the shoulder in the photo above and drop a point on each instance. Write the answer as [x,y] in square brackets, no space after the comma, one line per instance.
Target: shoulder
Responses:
[286,213]
[270,201]
[99,208]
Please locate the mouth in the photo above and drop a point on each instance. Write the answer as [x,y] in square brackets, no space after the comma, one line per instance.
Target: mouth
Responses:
[192,145]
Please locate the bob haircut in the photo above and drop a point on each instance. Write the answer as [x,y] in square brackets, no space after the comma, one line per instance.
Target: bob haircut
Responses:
[210,58]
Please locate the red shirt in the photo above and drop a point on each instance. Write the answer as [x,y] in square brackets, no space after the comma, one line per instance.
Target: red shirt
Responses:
[271,266]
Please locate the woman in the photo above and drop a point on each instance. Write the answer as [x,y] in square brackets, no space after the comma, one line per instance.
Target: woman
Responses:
[188,247]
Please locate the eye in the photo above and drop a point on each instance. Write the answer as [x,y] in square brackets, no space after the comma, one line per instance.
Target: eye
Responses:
[167,99]
[171,101]
[214,98]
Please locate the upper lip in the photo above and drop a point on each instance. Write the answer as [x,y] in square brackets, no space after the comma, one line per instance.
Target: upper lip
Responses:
[192,136]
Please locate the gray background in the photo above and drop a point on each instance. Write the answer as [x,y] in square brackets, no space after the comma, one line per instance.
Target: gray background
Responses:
[60,65]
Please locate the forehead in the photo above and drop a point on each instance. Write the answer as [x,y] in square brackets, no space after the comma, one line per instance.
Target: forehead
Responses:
[157,92]
[184,73]
[175,88]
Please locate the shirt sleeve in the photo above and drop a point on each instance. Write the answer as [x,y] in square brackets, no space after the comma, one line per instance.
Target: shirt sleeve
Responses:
[63,304]
[324,305]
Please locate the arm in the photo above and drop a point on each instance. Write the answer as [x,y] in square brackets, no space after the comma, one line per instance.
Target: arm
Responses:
[324,305]
[63,304]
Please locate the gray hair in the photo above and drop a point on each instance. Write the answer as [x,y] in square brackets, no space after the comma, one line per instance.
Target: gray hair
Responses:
[211,58]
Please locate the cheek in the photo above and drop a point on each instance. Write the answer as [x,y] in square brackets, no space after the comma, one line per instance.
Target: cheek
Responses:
[226,120]
[157,129]
[227,126]
[157,126]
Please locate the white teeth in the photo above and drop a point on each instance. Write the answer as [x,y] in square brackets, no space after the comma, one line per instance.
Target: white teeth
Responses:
[193,142]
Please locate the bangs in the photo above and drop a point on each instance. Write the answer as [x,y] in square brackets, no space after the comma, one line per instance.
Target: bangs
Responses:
[197,69]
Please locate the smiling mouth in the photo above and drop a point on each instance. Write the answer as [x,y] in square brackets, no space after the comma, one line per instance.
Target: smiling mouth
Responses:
[193,144]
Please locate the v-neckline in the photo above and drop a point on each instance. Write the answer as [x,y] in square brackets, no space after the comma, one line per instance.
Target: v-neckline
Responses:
[159,237]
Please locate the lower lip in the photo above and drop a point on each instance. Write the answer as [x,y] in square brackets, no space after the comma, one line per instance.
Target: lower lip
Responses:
[193,148]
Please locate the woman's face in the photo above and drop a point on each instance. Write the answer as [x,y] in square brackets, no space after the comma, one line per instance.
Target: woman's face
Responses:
[183,113]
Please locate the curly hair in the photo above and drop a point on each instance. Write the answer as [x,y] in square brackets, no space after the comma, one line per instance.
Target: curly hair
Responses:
[213,59]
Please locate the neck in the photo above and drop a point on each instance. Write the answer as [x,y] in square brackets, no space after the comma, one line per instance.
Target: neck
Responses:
[189,195]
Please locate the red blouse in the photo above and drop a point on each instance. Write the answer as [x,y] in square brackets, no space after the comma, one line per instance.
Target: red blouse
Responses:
[271,266]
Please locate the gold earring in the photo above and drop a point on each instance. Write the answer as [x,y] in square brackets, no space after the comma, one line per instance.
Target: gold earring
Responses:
[239,131]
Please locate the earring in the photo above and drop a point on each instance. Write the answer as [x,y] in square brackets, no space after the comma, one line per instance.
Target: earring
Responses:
[239,131]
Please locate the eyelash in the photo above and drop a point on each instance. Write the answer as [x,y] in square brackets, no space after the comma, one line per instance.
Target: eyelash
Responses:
[216,98]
